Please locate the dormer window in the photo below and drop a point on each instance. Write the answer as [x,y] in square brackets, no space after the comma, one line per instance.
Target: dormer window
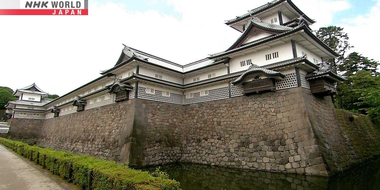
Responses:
[273,20]
[211,75]
[31,98]
[195,79]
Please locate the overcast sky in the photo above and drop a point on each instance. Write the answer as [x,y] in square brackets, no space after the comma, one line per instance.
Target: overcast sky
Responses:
[61,53]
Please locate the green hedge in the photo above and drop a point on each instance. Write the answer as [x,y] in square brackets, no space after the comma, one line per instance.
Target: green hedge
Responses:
[88,172]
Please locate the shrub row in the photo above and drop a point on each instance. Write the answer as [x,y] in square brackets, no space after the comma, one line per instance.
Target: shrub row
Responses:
[88,172]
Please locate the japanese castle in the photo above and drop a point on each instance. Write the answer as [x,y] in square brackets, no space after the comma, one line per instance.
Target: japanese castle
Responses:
[276,50]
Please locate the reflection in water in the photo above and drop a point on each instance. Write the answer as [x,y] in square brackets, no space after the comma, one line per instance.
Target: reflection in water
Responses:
[365,176]
[203,177]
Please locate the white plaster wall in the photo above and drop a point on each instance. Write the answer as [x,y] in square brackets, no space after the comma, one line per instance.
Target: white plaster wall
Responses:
[126,74]
[29,107]
[284,51]
[165,76]
[29,115]
[98,101]
[310,55]
[204,76]
[26,96]
[257,36]
[292,70]
[284,18]
[49,115]
[69,109]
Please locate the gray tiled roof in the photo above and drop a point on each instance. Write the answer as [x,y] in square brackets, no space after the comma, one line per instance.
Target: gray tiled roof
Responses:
[324,70]
[255,10]
[32,85]
[256,69]
[256,21]
[267,6]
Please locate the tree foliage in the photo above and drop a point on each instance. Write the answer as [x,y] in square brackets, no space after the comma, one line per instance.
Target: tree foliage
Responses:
[6,95]
[52,96]
[361,91]
[355,62]
[336,39]
[354,90]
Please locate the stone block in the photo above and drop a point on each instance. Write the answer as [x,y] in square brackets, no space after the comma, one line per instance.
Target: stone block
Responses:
[295,165]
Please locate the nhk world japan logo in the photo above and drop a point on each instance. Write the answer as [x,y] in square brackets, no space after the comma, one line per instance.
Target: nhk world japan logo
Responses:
[47,7]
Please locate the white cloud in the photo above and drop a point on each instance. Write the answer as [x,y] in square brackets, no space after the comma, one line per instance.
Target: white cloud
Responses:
[63,53]
[363,32]
[322,10]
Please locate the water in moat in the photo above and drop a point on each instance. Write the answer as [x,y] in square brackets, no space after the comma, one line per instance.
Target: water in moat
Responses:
[201,177]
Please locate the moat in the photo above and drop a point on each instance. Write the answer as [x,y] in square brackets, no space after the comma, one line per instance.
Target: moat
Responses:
[201,177]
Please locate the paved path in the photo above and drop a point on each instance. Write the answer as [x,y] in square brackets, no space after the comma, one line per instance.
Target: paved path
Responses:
[17,173]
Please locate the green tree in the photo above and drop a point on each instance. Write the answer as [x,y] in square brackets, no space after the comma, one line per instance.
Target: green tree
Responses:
[6,95]
[52,96]
[361,93]
[355,62]
[336,39]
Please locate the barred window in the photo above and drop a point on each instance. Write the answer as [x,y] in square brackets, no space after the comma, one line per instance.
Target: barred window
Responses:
[249,62]
[242,63]
[275,55]
[268,57]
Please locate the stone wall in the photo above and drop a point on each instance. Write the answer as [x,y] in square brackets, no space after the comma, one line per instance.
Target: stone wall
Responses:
[103,132]
[157,133]
[342,142]
[24,129]
[287,131]
[264,132]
